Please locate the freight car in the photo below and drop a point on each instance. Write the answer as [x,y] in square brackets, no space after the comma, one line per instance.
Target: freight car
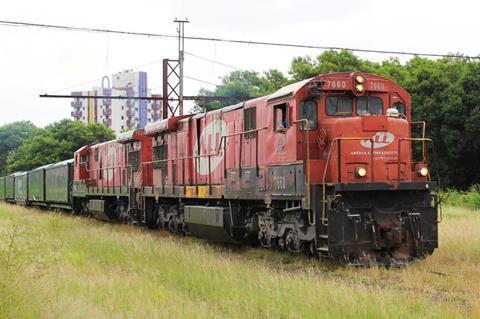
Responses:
[2,188]
[10,187]
[21,189]
[58,185]
[330,165]
[36,186]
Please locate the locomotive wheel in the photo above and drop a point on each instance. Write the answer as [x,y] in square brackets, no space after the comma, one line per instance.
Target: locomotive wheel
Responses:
[185,230]
[173,224]
[160,222]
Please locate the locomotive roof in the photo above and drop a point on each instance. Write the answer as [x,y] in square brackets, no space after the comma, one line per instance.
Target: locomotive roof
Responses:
[164,125]
[63,163]
[125,136]
[41,167]
[288,90]
[15,174]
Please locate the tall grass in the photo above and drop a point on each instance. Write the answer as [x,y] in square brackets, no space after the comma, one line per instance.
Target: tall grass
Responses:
[62,266]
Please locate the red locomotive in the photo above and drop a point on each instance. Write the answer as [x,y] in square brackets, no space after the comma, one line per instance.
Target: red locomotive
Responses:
[327,165]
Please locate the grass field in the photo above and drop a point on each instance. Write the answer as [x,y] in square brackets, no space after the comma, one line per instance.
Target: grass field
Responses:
[57,266]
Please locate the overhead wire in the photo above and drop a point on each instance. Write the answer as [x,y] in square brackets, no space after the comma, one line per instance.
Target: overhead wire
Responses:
[199,80]
[213,61]
[249,42]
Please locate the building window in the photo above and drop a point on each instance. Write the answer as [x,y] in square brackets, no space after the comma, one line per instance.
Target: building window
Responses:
[122,117]
[123,127]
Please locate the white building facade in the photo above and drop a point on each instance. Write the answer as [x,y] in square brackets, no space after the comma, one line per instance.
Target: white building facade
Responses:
[118,114]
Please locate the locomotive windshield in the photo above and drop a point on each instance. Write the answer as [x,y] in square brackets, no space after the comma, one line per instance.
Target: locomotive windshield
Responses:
[343,105]
[339,105]
[369,105]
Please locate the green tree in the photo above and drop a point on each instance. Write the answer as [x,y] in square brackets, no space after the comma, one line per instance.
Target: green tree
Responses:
[242,83]
[303,68]
[55,143]
[11,137]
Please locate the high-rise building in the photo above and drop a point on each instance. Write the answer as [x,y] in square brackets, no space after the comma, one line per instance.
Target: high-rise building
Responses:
[119,114]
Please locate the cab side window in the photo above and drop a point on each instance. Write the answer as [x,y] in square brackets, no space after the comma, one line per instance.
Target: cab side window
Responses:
[250,122]
[400,106]
[84,159]
[280,117]
[308,111]
[134,160]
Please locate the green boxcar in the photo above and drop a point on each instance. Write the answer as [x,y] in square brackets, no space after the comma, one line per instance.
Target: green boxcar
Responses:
[36,185]
[21,187]
[10,187]
[58,181]
[2,188]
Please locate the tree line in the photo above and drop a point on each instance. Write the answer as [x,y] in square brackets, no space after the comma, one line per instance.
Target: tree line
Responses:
[23,146]
[445,93]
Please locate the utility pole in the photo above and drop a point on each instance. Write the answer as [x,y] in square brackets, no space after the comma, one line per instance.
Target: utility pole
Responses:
[181,47]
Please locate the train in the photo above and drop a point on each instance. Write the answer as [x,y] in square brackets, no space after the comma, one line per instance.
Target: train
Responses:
[332,166]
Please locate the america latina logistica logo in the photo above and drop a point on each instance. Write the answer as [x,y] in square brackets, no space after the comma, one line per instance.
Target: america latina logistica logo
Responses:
[380,139]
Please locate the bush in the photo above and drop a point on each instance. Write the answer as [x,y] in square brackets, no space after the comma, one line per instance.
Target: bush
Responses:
[468,199]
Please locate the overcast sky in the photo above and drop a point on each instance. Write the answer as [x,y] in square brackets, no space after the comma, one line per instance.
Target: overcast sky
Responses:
[35,61]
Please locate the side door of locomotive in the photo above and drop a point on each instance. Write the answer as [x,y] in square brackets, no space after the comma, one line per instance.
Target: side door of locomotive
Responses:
[249,151]
[282,142]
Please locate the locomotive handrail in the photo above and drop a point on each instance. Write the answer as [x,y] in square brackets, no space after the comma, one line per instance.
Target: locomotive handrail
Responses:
[424,126]
[217,152]
[424,160]
[424,129]
[412,139]
[97,170]
[335,140]
[311,219]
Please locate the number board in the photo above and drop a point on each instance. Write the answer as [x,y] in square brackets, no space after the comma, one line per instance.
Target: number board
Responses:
[338,84]
[377,85]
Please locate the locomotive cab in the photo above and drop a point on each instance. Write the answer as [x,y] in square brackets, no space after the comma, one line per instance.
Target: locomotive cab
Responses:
[367,177]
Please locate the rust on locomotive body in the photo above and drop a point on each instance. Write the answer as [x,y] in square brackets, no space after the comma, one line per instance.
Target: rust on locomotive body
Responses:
[328,165]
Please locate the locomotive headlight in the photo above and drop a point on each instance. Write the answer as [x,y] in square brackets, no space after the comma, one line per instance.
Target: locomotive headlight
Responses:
[361,172]
[359,79]
[359,88]
[423,171]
